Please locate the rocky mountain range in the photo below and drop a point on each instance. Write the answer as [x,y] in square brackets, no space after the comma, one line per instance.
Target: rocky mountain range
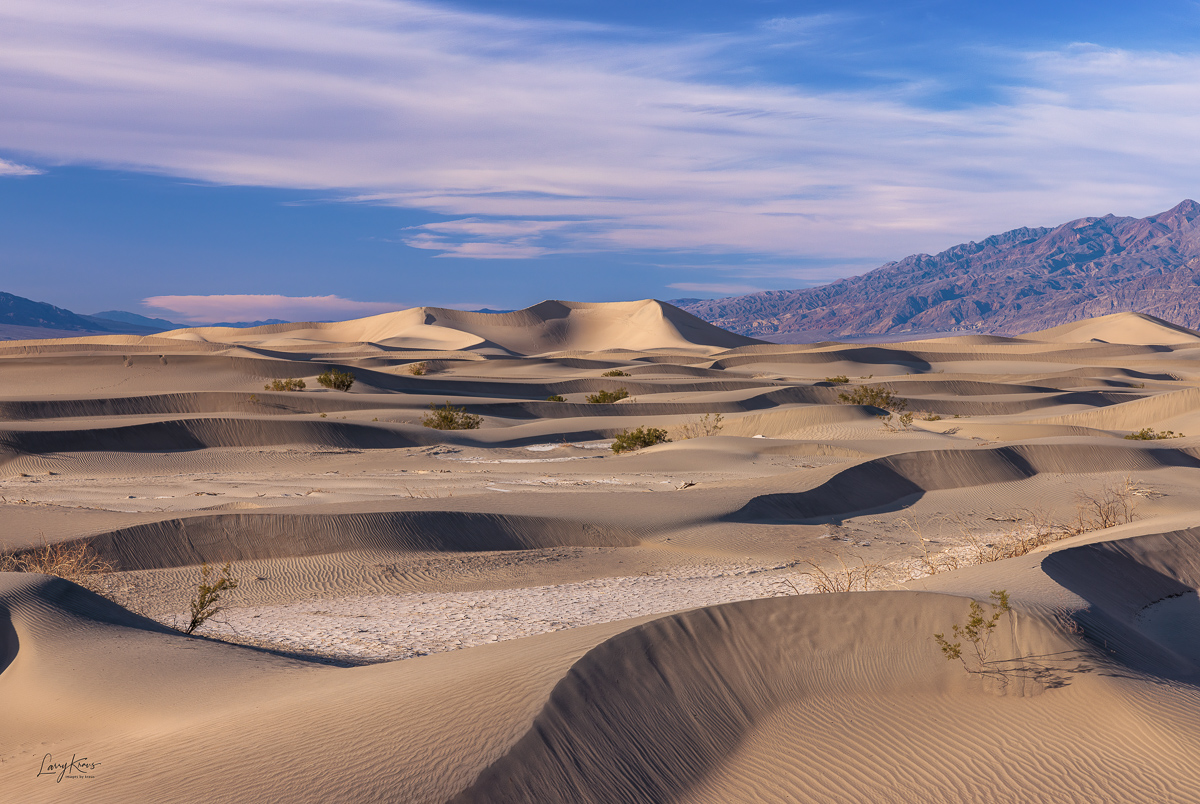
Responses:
[1021,281]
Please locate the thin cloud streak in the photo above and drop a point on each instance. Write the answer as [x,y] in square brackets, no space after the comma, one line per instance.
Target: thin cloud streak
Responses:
[548,137]
[251,307]
[13,169]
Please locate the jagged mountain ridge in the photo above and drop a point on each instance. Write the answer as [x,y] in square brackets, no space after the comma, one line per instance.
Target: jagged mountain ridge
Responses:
[1023,280]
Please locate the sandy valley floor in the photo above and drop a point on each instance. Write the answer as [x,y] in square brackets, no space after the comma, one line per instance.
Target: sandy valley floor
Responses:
[515,613]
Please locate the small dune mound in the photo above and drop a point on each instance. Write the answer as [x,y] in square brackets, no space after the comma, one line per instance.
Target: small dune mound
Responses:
[1125,328]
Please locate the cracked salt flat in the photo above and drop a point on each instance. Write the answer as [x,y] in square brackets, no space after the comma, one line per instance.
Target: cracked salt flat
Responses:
[385,627]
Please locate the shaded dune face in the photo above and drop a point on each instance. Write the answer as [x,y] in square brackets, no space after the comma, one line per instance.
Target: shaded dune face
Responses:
[236,537]
[9,643]
[1143,604]
[899,480]
[829,698]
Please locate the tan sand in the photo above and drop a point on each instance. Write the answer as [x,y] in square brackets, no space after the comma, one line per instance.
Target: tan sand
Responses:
[537,580]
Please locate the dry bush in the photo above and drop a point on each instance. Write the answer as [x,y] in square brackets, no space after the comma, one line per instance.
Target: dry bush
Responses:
[875,396]
[630,440]
[449,417]
[1150,434]
[931,563]
[72,561]
[418,369]
[614,373]
[336,380]
[1114,504]
[931,417]
[290,384]
[896,424]
[707,425]
[861,577]
[840,379]
[208,594]
[607,397]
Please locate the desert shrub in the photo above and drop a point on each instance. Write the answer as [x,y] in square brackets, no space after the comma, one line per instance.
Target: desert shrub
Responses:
[707,425]
[1113,504]
[336,380]
[875,396]
[70,560]
[1150,434]
[449,417]
[208,593]
[418,369]
[556,398]
[931,417]
[289,384]
[614,373]
[862,576]
[840,379]
[977,631]
[628,440]
[607,397]
[895,424]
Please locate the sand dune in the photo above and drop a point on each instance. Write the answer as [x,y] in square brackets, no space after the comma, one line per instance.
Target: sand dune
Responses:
[342,515]
[551,326]
[1135,328]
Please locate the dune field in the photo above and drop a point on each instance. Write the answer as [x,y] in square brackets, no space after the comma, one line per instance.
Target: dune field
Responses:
[515,613]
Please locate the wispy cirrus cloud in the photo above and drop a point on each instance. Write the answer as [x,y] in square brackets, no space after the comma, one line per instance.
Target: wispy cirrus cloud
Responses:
[14,169]
[542,137]
[251,307]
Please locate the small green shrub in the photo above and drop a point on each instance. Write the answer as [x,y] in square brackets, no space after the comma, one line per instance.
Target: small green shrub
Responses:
[607,397]
[977,631]
[204,605]
[614,373]
[285,385]
[628,440]
[875,396]
[418,369]
[840,379]
[556,398]
[931,417]
[336,380]
[449,417]
[1150,434]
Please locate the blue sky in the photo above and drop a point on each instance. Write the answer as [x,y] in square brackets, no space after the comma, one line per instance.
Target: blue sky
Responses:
[243,159]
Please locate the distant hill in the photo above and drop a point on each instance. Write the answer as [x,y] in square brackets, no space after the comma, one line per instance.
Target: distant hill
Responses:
[21,312]
[125,317]
[1020,281]
[24,319]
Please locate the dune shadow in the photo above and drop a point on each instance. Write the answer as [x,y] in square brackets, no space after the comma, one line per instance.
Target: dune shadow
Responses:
[1143,608]
[9,641]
